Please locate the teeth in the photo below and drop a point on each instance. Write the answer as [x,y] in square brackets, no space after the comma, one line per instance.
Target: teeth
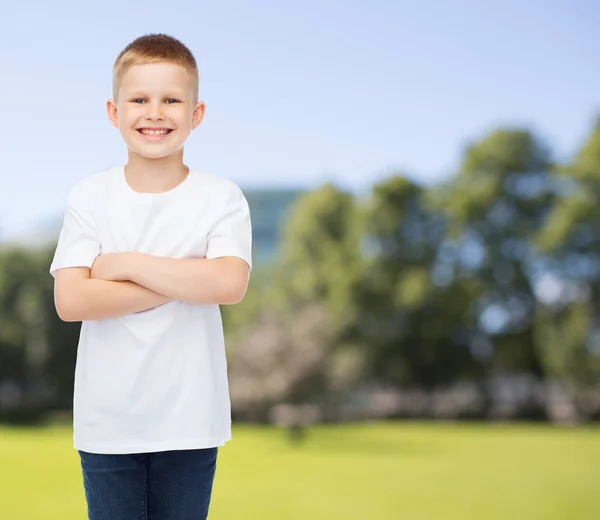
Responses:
[154,132]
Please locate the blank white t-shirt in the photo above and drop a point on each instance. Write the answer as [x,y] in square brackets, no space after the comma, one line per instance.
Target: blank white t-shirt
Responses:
[155,380]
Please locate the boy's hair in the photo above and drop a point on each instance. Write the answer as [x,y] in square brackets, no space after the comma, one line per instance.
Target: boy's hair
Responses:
[154,48]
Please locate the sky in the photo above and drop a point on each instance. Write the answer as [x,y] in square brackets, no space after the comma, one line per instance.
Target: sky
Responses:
[297,93]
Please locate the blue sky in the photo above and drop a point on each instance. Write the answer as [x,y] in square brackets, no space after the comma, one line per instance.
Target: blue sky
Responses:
[297,93]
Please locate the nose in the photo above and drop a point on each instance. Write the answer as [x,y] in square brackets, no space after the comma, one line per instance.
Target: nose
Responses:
[154,112]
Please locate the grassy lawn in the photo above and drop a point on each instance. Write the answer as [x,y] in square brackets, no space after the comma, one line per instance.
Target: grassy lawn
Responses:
[372,471]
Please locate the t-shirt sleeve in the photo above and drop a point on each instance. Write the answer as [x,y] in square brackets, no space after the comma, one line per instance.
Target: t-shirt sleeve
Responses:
[78,242]
[231,235]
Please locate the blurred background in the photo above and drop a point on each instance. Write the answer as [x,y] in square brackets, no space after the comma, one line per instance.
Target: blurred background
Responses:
[421,337]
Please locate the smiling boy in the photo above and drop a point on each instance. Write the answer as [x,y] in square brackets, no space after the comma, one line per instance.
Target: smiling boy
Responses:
[147,253]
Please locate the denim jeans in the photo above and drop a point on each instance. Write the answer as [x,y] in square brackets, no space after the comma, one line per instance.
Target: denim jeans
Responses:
[169,485]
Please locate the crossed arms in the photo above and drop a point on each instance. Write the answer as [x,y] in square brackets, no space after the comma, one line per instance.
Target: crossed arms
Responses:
[126,283]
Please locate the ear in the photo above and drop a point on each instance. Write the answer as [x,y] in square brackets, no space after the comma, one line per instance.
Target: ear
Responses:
[113,113]
[198,114]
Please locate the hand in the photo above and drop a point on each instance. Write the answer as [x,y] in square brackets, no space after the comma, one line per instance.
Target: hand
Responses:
[112,267]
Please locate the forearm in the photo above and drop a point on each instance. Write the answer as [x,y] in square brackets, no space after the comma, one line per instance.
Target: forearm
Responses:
[192,280]
[96,299]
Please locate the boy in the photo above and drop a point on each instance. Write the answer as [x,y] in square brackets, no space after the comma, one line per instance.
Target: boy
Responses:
[147,253]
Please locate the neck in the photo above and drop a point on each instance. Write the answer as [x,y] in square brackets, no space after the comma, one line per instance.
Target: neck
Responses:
[155,175]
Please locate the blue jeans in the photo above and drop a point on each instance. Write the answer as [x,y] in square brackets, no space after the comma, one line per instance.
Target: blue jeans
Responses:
[168,485]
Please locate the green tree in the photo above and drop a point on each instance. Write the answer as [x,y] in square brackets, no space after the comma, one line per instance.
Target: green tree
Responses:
[37,349]
[496,205]
[320,254]
[410,316]
[23,324]
[568,325]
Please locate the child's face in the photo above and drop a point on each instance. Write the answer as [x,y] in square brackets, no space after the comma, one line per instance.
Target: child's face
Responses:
[156,109]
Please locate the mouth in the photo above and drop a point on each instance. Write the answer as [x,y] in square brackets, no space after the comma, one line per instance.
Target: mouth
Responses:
[154,134]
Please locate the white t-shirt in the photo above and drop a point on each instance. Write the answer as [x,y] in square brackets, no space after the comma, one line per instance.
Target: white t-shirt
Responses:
[154,380]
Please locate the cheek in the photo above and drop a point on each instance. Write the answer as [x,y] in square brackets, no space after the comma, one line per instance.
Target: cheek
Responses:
[182,118]
[124,119]
[130,117]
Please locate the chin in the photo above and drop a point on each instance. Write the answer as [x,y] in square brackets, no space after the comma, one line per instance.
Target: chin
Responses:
[151,152]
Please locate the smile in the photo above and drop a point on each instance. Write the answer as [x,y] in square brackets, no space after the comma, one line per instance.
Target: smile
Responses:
[154,134]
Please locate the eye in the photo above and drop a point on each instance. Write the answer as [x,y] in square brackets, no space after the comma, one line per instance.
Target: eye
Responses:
[171,101]
[139,100]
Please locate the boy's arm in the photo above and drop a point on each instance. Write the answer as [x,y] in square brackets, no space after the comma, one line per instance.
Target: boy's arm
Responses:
[78,297]
[193,280]
[220,281]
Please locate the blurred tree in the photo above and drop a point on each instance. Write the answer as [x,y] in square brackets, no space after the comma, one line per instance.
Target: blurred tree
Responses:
[302,312]
[12,334]
[496,205]
[23,324]
[320,255]
[410,316]
[282,358]
[37,349]
[569,343]
[569,310]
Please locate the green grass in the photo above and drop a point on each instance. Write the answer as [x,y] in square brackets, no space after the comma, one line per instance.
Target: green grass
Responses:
[373,471]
